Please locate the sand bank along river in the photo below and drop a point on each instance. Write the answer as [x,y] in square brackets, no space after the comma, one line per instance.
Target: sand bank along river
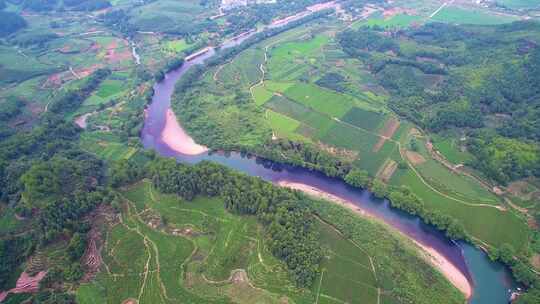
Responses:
[468,268]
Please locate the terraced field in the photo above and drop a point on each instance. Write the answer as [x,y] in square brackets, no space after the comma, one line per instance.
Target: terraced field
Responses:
[166,250]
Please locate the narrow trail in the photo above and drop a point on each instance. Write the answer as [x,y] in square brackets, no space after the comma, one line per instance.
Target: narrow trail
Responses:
[373,270]
[440,8]
[403,156]
[319,289]
[262,65]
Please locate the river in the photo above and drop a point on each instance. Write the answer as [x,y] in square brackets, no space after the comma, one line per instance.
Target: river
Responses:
[491,282]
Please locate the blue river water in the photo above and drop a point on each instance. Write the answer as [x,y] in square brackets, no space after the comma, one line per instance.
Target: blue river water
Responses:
[492,283]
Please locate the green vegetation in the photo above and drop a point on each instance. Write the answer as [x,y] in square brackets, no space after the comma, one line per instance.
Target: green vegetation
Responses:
[306,94]
[458,15]
[10,23]
[397,21]
[211,241]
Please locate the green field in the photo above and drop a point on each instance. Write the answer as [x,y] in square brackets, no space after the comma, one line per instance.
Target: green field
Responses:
[320,100]
[347,274]
[176,46]
[261,94]
[520,4]
[200,261]
[282,125]
[451,149]
[189,256]
[398,21]
[106,146]
[364,119]
[167,250]
[458,15]
[110,88]
[243,70]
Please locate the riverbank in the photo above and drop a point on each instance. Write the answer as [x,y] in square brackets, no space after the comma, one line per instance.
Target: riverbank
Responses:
[449,271]
[177,139]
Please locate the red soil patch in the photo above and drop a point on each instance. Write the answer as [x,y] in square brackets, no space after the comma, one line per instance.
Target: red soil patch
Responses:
[91,259]
[85,72]
[54,80]
[535,261]
[389,13]
[415,158]
[25,284]
[116,54]
[130,301]
[390,127]
[387,171]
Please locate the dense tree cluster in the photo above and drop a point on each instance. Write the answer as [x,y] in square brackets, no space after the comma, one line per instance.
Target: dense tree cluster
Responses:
[13,251]
[505,159]
[87,5]
[304,155]
[10,108]
[284,214]
[72,99]
[509,91]
[10,23]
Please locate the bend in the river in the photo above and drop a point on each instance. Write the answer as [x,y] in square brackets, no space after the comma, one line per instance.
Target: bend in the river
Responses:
[491,282]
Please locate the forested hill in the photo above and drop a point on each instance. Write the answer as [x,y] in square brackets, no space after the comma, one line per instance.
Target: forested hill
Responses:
[481,79]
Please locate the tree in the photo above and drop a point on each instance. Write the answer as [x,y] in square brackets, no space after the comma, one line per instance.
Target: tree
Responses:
[76,247]
[357,178]
[10,23]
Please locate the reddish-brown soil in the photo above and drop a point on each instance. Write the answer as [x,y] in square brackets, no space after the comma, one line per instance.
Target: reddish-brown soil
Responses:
[116,53]
[25,284]
[389,13]
[415,158]
[387,171]
[390,127]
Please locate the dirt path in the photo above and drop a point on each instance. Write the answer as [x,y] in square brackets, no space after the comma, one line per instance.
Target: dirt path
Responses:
[411,166]
[440,8]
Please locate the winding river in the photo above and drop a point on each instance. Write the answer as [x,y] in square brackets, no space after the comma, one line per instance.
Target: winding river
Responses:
[491,282]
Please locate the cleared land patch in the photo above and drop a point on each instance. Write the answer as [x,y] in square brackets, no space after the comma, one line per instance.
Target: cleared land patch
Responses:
[387,131]
[387,170]
[415,158]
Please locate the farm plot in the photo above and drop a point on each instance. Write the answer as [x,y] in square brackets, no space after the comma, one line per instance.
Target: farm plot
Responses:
[15,67]
[283,126]
[345,136]
[452,14]
[243,70]
[458,185]
[261,94]
[320,100]
[227,255]
[170,16]
[347,274]
[291,60]
[366,120]
[492,225]
[106,146]
[451,149]
[317,124]
[396,21]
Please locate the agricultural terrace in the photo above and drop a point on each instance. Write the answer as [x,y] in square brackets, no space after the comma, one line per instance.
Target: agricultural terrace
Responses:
[304,88]
[454,14]
[210,256]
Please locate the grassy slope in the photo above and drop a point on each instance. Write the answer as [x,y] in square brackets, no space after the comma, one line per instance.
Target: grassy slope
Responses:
[316,108]
[154,266]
